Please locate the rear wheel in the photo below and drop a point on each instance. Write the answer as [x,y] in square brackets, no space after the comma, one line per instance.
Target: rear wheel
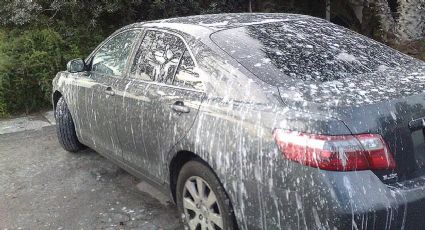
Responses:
[202,200]
[65,128]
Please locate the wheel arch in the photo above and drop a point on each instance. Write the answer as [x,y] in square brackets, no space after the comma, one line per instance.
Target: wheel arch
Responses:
[175,166]
[55,98]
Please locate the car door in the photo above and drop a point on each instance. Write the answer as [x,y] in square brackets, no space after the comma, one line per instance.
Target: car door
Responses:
[155,113]
[107,66]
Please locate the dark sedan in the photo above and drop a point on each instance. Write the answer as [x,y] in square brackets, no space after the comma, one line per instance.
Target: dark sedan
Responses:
[256,121]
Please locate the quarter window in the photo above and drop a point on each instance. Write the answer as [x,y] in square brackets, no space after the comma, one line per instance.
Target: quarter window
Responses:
[186,76]
[111,58]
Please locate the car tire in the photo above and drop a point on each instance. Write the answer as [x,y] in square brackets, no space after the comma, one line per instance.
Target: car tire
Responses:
[65,128]
[196,174]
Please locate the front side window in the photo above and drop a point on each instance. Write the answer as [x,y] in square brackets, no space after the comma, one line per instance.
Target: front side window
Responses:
[111,58]
[158,57]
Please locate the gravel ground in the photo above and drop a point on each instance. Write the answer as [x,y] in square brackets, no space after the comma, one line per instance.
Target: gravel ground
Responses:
[44,187]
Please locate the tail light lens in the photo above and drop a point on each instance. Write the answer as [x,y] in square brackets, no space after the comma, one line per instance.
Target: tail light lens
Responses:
[336,153]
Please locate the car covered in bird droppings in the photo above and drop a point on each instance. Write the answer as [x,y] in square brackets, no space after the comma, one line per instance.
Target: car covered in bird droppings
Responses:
[256,121]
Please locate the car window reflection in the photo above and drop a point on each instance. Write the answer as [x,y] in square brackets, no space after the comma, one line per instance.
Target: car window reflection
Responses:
[308,50]
[111,58]
[157,57]
[186,76]
[164,57]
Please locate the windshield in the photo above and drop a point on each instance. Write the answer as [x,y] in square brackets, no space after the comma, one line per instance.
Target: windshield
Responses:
[309,50]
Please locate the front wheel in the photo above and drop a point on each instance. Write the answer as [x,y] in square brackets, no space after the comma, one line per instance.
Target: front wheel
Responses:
[202,200]
[65,128]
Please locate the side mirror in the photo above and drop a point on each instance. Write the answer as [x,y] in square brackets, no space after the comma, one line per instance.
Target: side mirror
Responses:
[75,66]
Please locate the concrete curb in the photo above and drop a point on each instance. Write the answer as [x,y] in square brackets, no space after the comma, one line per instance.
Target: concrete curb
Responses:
[33,122]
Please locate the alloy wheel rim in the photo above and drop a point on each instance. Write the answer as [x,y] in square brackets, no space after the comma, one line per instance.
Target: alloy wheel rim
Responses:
[201,208]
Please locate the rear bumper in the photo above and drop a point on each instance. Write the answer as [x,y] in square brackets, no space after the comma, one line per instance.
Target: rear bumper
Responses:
[374,205]
[343,200]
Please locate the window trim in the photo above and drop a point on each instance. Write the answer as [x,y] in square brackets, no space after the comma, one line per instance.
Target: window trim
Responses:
[136,48]
[89,58]
[178,66]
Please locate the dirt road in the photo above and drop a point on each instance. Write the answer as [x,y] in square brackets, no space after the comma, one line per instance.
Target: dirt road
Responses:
[44,187]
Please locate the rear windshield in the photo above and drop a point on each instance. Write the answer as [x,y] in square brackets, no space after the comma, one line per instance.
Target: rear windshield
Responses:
[309,49]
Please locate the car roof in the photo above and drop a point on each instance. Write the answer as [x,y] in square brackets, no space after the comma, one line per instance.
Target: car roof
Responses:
[200,25]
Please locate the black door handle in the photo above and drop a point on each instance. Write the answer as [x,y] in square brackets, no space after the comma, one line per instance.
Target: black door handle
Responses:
[179,107]
[109,91]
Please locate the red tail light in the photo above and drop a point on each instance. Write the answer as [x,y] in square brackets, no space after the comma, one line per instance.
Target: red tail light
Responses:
[336,153]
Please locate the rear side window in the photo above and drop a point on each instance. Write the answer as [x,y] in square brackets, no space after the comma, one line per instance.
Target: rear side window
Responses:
[111,58]
[158,57]
[307,50]
[186,76]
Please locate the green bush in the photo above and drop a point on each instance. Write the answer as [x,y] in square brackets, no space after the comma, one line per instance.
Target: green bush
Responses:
[30,59]
[28,62]
[4,63]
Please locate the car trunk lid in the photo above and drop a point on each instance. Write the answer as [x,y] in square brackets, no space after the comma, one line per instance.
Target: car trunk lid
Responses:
[401,123]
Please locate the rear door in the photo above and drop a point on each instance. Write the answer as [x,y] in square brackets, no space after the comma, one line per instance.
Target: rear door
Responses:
[159,103]
[107,66]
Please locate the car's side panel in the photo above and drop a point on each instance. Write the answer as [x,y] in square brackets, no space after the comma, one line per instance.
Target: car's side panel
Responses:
[133,104]
[146,126]
[170,126]
[100,115]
